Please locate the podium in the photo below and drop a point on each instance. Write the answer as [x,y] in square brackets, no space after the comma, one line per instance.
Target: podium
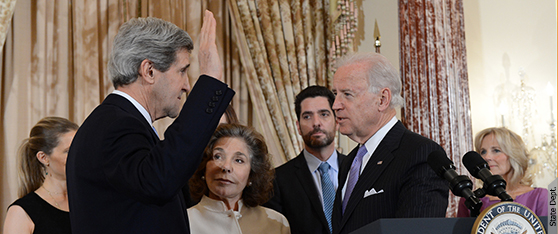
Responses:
[424,225]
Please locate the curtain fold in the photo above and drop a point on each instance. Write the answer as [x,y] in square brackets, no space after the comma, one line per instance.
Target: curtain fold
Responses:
[434,72]
[56,52]
[252,75]
[285,46]
[6,12]
[55,56]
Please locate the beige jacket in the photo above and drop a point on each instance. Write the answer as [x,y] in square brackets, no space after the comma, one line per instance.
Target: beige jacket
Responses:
[212,217]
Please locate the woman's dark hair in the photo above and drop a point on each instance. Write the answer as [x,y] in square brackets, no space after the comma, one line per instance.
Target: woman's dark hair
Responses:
[261,171]
[44,136]
[230,115]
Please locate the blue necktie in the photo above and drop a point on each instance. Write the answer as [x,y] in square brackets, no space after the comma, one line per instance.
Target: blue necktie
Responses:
[353,175]
[328,192]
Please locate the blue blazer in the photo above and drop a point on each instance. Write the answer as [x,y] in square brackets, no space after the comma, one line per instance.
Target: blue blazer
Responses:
[122,179]
[296,197]
[406,186]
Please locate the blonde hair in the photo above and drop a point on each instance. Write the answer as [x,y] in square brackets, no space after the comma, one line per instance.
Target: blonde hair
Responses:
[513,146]
[44,136]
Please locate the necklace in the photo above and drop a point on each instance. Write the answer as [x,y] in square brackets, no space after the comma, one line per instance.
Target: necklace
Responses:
[55,202]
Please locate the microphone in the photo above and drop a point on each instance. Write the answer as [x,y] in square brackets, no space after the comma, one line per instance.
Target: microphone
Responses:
[460,185]
[494,185]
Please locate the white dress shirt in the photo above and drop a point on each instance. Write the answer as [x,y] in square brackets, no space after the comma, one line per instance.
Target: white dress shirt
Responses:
[314,163]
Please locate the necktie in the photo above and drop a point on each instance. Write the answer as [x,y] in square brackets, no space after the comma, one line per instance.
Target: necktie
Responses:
[328,192]
[353,175]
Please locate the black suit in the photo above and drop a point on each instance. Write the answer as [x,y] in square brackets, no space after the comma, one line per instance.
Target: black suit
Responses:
[398,167]
[123,179]
[296,197]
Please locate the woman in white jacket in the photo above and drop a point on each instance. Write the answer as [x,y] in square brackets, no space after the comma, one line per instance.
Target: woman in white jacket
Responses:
[234,178]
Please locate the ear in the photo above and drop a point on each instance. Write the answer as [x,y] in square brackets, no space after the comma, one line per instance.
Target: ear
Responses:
[146,71]
[298,128]
[43,158]
[385,99]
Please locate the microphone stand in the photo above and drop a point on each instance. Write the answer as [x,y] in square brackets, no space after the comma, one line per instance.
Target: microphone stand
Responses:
[475,211]
[473,203]
[480,193]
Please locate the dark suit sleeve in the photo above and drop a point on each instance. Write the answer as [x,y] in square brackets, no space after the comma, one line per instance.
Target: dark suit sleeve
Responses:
[423,193]
[155,174]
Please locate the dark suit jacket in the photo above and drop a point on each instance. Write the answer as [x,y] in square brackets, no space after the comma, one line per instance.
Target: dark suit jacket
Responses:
[398,167]
[122,179]
[296,197]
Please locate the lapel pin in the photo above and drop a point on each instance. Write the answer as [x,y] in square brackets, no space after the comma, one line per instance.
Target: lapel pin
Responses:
[380,162]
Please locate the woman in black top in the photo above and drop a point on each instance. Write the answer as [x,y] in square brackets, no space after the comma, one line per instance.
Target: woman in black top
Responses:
[43,203]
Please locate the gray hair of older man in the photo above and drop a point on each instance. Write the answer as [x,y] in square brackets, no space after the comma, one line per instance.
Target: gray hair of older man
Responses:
[381,74]
[145,38]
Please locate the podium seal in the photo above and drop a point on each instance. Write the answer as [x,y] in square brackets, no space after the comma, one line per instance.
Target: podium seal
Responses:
[507,218]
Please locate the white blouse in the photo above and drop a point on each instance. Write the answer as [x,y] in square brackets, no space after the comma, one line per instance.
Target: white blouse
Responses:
[212,217]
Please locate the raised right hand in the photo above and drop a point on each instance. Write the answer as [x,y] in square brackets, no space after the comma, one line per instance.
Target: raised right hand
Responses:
[208,57]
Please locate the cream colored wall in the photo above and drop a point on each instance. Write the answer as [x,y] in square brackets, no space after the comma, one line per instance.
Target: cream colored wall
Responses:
[505,37]
[502,36]
[385,12]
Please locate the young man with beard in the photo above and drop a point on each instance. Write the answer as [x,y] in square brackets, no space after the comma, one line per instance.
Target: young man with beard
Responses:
[304,188]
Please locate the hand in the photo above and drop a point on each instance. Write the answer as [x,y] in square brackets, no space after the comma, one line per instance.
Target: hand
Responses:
[208,57]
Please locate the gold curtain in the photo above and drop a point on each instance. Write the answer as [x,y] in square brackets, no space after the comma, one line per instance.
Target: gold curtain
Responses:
[55,55]
[6,11]
[284,47]
[54,63]
[435,81]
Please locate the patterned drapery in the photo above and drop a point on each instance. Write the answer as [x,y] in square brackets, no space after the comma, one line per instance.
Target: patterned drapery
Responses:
[285,46]
[6,11]
[434,72]
[55,56]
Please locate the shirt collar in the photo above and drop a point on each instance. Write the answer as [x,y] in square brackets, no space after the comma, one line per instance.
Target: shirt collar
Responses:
[313,162]
[216,205]
[375,140]
[138,106]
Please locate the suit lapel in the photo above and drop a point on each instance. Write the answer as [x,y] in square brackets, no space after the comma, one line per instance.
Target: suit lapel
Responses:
[305,178]
[374,168]
[343,173]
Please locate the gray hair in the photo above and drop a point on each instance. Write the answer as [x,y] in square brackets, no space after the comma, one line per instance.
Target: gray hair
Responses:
[381,74]
[145,38]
